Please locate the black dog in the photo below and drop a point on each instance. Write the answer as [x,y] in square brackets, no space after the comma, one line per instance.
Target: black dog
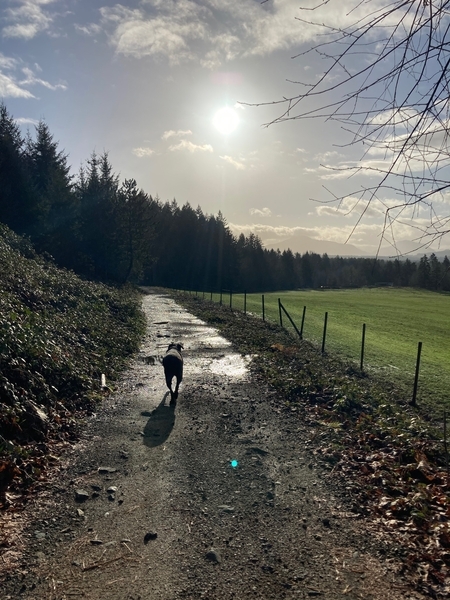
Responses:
[173,367]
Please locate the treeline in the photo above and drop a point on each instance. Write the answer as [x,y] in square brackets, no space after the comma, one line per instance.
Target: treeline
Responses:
[100,227]
[113,231]
[314,271]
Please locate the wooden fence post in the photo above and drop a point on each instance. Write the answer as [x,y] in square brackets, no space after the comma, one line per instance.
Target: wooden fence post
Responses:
[363,341]
[279,311]
[324,332]
[416,378]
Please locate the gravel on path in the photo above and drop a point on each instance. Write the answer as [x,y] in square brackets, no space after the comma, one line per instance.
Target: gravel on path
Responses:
[215,498]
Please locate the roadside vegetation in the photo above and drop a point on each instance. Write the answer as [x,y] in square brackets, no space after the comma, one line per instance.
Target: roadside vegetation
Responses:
[58,335]
[389,458]
[396,320]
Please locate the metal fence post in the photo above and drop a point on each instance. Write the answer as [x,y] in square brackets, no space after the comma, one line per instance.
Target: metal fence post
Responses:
[245,302]
[303,322]
[416,378]
[362,346]
[279,310]
[263,312]
[290,319]
[324,332]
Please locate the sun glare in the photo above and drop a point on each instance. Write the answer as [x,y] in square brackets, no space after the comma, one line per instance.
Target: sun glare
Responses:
[226,120]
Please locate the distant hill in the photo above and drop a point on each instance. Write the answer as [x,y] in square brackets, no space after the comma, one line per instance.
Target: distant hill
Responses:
[408,249]
[440,254]
[302,243]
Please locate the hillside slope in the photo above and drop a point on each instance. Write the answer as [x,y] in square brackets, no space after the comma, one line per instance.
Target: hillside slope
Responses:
[58,335]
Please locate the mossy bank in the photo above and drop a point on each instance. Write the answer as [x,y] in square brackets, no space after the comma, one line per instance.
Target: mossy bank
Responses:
[58,335]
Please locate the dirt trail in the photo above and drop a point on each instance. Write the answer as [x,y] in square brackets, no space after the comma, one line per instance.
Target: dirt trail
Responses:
[184,521]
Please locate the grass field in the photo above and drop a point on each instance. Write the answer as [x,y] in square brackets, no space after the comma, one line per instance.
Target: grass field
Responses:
[396,320]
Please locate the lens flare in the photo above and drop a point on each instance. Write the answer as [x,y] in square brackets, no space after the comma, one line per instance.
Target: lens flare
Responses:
[234,463]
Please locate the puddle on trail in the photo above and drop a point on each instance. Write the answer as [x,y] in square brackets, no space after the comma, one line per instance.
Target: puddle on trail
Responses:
[204,349]
[232,365]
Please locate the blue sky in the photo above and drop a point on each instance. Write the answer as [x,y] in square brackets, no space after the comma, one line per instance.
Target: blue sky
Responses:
[143,80]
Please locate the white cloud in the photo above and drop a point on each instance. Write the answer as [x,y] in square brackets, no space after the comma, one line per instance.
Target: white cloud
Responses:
[141,152]
[340,171]
[31,79]
[11,89]
[396,118]
[273,234]
[440,197]
[350,206]
[168,33]
[186,145]
[238,165]
[9,86]
[368,235]
[27,18]
[13,86]
[213,31]
[171,133]
[26,121]
[89,30]
[7,62]
[265,212]
[327,156]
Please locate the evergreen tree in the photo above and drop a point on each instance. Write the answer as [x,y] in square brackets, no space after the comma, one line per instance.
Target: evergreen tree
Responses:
[424,273]
[254,272]
[288,270]
[446,274]
[96,192]
[435,273]
[307,271]
[409,270]
[17,208]
[135,217]
[53,228]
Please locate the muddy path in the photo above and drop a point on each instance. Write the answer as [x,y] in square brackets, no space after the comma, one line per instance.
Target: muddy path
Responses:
[217,498]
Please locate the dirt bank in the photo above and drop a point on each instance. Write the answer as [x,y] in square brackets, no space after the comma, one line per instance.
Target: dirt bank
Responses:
[216,498]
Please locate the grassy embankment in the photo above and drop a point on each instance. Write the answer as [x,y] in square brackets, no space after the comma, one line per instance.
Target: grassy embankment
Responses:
[58,334]
[396,320]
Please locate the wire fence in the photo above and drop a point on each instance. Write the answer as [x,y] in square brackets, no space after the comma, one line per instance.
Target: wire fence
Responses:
[323,337]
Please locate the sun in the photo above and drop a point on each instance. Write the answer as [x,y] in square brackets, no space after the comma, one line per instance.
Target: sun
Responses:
[225,120]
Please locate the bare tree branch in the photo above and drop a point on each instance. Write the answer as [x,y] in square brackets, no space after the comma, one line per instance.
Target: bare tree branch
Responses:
[387,83]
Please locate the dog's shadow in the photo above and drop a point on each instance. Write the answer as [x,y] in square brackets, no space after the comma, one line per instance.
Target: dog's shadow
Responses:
[160,424]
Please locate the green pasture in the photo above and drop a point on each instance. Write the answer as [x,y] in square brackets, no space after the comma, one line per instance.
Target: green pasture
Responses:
[396,320]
